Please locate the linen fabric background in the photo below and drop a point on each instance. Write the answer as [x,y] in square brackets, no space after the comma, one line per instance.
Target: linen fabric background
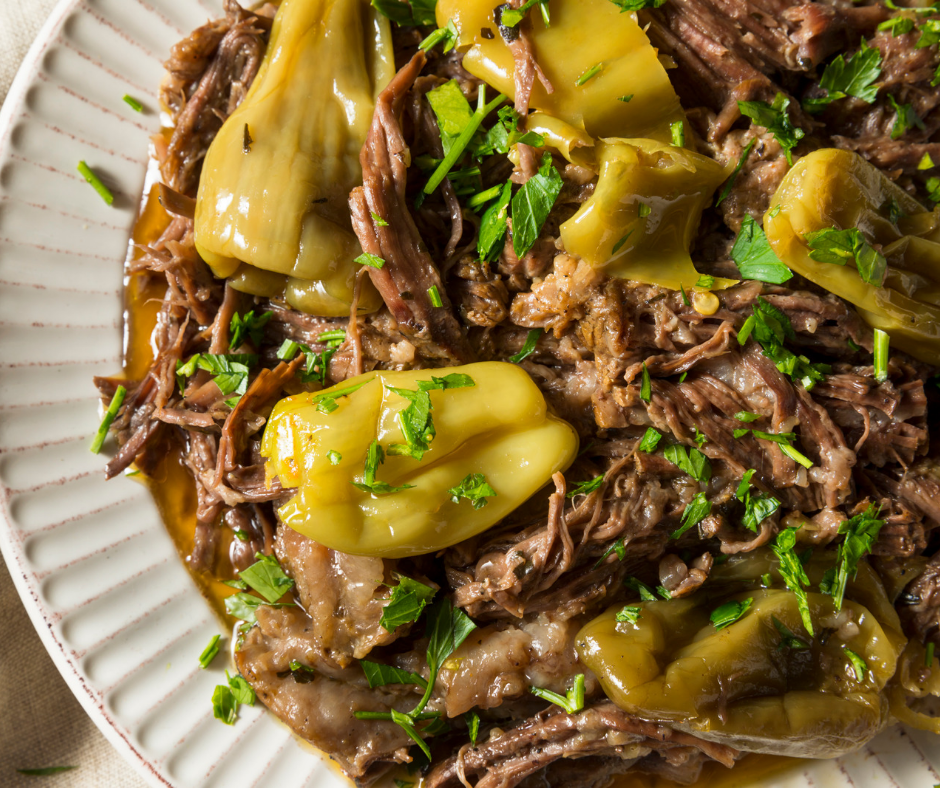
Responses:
[41,722]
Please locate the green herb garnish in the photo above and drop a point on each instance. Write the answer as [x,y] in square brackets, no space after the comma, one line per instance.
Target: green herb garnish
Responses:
[725,615]
[573,699]
[754,256]
[109,416]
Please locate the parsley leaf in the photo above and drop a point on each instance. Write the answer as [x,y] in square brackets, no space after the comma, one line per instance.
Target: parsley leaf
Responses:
[474,488]
[573,700]
[585,488]
[636,5]
[452,110]
[629,614]
[906,118]
[242,691]
[251,325]
[725,615]
[860,534]
[618,548]
[776,119]
[692,461]
[645,592]
[528,347]
[493,226]
[646,389]
[898,25]
[729,184]
[473,726]
[406,603]
[929,33]
[267,578]
[859,665]
[230,372]
[743,415]
[788,639]
[754,256]
[650,441]
[374,458]
[793,573]
[446,35]
[380,675]
[511,17]
[881,344]
[837,247]
[853,77]
[532,205]
[224,705]
[696,510]
[244,606]
[372,260]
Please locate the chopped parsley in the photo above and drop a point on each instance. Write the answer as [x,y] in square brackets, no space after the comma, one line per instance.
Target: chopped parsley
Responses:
[925,163]
[745,416]
[230,372]
[787,638]
[334,457]
[109,416]
[532,204]
[705,281]
[729,184]
[372,260]
[859,665]
[651,439]
[375,456]
[473,726]
[898,25]
[643,210]
[446,35]
[528,347]
[210,652]
[46,771]
[755,258]
[586,488]
[860,533]
[636,5]
[573,699]
[771,328]
[793,573]
[905,119]
[692,461]
[377,220]
[929,33]
[853,77]
[267,578]
[837,247]
[646,388]
[475,489]
[418,12]
[103,191]
[677,132]
[645,592]
[618,548]
[696,510]
[725,615]
[511,17]
[244,607]
[758,506]
[381,675]
[881,343]
[434,296]
[447,628]
[406,603]
[251,326]
[928,655]
[133,103]
[776,119]
[629,614]
[588,75]
[227,697]
[493,226]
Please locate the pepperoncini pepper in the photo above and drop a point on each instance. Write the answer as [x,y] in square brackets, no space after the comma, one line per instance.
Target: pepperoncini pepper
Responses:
[644,212]
[749,685]
[497,425]
[836,188]
[583,34]
[272,210]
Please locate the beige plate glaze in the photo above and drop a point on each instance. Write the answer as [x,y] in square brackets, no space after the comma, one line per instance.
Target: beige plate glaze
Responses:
[92,562]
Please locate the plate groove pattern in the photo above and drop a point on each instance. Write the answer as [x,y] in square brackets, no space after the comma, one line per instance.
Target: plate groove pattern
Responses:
[96,570]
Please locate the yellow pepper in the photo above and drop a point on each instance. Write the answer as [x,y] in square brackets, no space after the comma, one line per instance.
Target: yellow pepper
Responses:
[275,183]
[644,212]
[499,427]
[583,34]
[836,188]
[738,685]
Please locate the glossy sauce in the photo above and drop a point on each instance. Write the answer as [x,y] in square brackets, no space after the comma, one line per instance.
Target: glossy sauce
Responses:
[172,486]
[174,493]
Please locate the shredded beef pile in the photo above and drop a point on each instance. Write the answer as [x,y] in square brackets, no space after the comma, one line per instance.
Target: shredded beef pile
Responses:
[532,581]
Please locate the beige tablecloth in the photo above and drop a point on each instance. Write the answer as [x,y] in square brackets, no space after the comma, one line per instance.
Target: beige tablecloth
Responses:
[41,723]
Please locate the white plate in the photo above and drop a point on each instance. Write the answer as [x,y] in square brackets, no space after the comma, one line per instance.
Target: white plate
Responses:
[98,574]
